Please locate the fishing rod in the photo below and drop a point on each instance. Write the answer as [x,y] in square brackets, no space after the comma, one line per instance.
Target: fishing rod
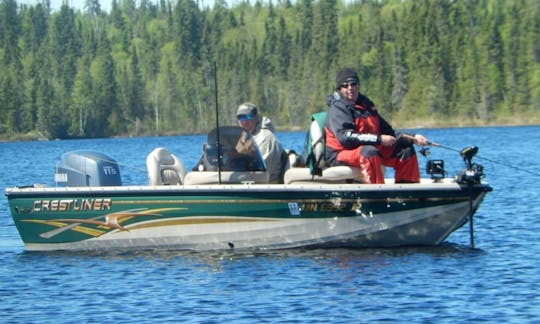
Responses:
[425,152]
[489,160]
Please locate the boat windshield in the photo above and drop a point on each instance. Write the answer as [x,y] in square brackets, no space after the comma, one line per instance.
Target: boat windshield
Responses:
[239,152]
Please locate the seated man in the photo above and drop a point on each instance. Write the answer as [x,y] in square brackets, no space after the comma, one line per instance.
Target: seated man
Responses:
[357,136]
[261,129]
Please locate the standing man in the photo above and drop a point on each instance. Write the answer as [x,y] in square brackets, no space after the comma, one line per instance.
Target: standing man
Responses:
[262,130]
[357,136]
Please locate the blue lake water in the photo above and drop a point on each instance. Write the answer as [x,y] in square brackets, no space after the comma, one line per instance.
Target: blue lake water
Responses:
[498,280]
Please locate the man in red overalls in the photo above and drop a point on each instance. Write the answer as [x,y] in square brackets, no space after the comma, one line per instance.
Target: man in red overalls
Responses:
[357,136]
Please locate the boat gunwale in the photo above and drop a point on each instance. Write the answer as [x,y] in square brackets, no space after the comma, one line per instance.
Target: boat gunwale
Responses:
[322,187]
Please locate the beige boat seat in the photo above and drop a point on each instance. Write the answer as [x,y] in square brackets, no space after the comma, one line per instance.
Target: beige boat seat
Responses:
[335,174]
[164,168]
[227,177]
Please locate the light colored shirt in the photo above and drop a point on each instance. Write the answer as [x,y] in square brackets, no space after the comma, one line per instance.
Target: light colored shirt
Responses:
[270,147]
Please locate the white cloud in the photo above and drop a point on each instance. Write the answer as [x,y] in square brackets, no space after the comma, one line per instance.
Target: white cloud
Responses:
[104,4]
[75,4]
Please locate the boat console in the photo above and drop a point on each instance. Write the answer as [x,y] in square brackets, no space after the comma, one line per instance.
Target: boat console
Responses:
[234,158]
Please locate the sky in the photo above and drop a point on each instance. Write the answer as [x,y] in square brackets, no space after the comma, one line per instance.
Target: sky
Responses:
[76,4]
[79,4]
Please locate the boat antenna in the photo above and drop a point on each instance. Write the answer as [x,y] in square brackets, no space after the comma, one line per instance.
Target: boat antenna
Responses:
[217,122]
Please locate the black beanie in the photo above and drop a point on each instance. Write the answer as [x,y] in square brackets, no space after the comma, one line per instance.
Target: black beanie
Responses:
[346,75]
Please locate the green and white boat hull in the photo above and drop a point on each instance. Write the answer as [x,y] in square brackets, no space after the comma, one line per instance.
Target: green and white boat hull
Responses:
[241,216]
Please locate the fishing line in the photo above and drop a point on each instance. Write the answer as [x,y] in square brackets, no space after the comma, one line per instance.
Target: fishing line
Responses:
[425,152]
[484,158]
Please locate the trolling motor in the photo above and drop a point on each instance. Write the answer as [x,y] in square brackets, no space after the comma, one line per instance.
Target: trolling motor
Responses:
[471,175]
[473,172]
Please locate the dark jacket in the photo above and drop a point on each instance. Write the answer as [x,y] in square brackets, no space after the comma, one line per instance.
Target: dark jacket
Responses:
[350,125]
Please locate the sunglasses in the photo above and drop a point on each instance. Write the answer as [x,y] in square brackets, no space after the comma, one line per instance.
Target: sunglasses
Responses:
[346,85]
[245,117]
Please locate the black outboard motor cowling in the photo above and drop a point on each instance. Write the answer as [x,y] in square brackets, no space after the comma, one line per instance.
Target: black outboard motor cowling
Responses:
[87,169]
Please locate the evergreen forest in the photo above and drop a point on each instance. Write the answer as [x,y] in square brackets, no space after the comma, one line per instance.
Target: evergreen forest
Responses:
[153,67]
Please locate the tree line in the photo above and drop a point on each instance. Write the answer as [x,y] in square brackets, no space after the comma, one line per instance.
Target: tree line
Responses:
[163,68]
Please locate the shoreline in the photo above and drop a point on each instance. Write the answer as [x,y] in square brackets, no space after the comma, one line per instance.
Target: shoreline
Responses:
[418,124]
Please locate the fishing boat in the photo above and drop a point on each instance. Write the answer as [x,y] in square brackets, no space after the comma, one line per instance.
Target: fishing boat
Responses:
[226,202]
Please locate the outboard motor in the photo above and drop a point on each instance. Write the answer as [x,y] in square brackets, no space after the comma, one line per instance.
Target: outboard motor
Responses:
[87,169]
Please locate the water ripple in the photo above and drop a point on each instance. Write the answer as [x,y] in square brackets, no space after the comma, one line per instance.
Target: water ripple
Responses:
[498,281]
